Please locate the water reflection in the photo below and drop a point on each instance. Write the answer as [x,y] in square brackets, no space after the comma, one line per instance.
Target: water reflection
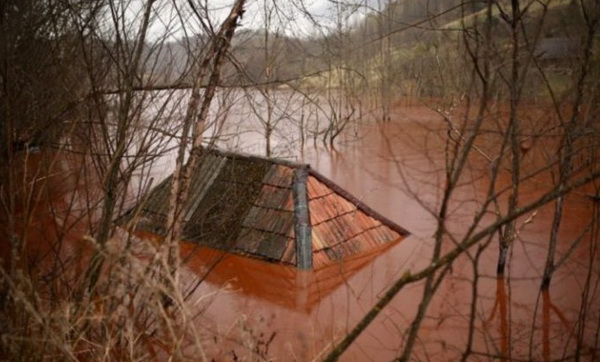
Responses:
[547,308]
[274,283]
[500,312]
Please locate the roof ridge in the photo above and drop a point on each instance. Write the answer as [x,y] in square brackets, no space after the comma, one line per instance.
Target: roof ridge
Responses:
[247,156]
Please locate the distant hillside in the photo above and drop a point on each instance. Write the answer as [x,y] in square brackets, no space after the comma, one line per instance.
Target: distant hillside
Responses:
[408,48]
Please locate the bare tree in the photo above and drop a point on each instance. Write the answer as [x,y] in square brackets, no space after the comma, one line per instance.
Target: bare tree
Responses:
[94,94]
[493,83]
[195,121]
[81,159]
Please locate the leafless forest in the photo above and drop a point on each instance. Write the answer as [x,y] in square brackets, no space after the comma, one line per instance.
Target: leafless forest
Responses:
[472,124]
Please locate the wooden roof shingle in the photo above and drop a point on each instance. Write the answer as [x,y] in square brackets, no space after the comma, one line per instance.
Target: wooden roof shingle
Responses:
[253,206]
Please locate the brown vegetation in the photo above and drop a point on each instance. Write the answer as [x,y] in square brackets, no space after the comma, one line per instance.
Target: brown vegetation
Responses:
[98,106]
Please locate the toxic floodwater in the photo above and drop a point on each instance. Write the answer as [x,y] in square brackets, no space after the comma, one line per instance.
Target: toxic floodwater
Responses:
[275,312]
[249,309]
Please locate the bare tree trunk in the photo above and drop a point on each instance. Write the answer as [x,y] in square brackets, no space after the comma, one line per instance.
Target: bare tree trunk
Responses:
[567,151]
[474,297]
[212,62]
[112,179]
[589,297]
[514,129]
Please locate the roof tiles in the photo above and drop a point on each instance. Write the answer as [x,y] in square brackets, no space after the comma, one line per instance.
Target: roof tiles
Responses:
[245,204]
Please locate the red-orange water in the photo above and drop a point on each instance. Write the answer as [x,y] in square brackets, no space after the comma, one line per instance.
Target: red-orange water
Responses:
[397,169]
[250,309]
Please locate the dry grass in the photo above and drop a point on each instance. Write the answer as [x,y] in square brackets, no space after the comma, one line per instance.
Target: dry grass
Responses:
[135,312]
[137,309]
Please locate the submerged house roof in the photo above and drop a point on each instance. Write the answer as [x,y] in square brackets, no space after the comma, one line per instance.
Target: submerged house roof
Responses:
[269,209]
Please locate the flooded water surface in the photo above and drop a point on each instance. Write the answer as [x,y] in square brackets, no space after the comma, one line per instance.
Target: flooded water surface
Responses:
[248,309]
[273,311]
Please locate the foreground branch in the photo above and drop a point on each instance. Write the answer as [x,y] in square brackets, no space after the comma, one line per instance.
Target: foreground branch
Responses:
[408,278]
[212,62]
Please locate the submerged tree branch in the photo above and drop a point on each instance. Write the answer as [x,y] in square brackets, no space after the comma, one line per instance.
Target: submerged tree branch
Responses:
[408,277]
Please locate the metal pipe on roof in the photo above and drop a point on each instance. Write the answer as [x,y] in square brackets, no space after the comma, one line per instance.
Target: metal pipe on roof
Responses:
[302,227]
